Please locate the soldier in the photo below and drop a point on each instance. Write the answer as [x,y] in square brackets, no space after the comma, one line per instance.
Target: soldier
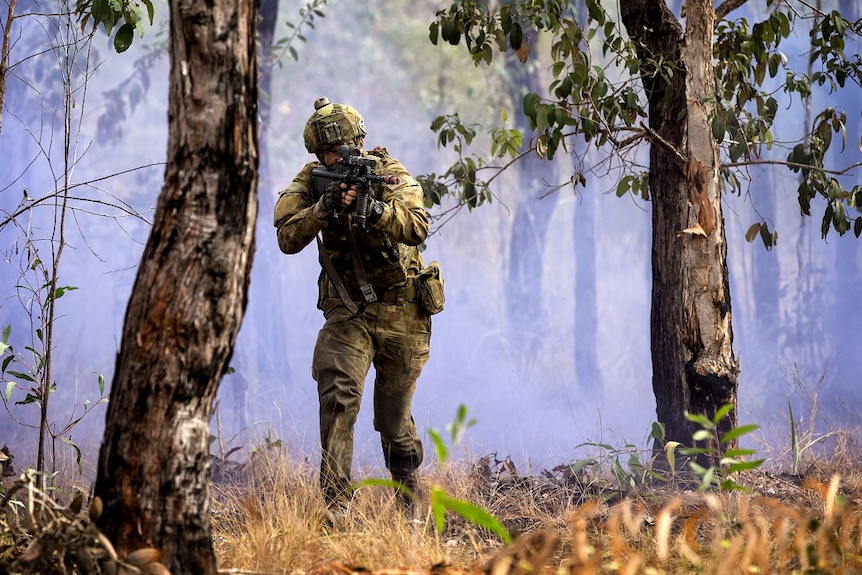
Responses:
[371,289]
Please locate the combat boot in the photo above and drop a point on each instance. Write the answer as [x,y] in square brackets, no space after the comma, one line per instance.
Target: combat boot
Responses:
[407,495]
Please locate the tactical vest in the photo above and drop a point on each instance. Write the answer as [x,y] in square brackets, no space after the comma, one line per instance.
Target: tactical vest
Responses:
[385,262]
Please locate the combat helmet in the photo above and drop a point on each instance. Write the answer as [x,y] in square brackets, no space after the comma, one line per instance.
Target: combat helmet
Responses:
[332,124]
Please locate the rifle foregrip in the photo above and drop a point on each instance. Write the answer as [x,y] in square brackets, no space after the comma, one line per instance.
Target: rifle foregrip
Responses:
[361,213]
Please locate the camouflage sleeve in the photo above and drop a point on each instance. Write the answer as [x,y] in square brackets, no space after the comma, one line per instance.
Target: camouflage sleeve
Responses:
[404,218]
[293,216]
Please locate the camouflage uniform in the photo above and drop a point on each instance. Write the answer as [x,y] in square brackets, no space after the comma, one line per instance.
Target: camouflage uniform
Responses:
[393,334]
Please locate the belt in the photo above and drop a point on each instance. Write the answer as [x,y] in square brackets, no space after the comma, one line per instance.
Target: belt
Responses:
[392,296]
[399,295]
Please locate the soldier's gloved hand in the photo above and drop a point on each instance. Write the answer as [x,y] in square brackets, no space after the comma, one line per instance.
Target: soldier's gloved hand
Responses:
[330,199]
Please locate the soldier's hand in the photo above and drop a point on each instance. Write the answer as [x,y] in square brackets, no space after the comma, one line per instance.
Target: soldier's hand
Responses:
[330,199]
[348,198]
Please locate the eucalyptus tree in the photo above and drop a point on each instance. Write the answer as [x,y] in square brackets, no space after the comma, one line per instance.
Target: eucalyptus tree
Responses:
[189,295]
[699,90]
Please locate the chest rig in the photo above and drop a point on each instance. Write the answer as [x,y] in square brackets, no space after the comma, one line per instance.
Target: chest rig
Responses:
[365,262]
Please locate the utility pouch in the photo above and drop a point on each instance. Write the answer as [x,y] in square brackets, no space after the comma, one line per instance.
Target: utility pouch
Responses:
[322,290]
[429,284]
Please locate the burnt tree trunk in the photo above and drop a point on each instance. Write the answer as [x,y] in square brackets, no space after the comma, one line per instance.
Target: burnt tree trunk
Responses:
[694,368]
[190,293]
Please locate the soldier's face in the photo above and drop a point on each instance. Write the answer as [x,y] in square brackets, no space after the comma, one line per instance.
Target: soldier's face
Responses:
[329,157]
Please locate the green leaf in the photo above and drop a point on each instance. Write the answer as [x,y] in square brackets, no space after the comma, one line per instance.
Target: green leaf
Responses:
[476,515]
[760,73]
[516,36]
[774,62]
[738,432]
[101,11]
[701,420]
[718,129]
[708,478]
[124,37]
[744,466]
[582,464]
[68,440]
[670,452]
[624,185]
[531,103]
[769,239]
[657,431]
[438,508]
[60,291]
[827,220]
[737,150]
[28,400]
[506,19]
[739,452]
[10,387]
[151,11]
[721,413]
[380,482]
[701,435]
[439,446]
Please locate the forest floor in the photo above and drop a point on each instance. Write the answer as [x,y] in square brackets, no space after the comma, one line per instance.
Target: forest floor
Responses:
[268,518]
[559,521]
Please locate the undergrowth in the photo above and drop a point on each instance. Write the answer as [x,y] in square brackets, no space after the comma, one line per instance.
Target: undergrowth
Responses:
[271,521]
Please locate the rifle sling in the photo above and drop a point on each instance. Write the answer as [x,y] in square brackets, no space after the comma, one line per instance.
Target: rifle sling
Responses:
[368,294]
[367,291]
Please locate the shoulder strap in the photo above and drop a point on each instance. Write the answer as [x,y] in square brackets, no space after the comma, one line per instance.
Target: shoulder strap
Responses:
[367,291]
[335,280]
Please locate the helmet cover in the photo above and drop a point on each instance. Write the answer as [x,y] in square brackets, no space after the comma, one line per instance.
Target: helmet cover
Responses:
[332,125]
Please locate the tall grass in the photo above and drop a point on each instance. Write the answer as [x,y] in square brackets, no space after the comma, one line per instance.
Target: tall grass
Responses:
[272,521]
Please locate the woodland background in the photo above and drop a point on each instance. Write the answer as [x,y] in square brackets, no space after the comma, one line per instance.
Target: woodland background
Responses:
[545,335]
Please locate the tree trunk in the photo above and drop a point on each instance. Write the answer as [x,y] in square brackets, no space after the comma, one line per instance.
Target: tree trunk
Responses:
[694,368]
[189,295]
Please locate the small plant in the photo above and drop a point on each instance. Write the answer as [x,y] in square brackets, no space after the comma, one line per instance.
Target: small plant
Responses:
[441,502]
[726,462]
[629,465]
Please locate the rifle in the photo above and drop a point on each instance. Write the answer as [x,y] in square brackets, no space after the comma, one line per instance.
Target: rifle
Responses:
[354,169]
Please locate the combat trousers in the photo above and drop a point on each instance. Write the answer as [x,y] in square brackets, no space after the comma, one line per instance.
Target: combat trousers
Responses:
[396,340]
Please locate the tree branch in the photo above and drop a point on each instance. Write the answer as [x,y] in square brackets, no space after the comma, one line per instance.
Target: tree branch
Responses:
[4,57]
[726,7]
[793,165]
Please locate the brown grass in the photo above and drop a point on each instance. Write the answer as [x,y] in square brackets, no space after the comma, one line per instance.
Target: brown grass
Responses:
[272,522]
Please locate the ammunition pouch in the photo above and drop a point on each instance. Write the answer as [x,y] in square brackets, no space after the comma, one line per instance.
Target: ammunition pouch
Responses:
[429,285]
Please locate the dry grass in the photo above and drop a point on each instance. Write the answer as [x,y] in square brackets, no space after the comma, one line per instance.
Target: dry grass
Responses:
[268,519]
[272,522]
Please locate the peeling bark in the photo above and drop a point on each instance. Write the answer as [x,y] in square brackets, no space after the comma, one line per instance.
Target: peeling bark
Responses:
[189,296]
[694,368]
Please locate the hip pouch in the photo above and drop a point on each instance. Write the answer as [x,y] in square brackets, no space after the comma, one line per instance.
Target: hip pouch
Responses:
[429,284]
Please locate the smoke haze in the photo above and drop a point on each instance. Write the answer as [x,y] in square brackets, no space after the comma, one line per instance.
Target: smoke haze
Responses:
[545,335]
